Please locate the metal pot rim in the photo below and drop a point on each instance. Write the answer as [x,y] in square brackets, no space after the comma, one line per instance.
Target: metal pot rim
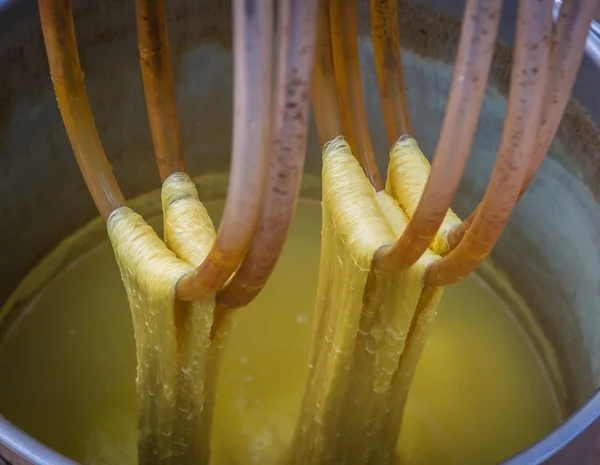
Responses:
[39,454]
[564,434]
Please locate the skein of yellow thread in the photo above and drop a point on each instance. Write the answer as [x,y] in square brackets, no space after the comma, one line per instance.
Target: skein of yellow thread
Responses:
[175,395]
[408,170]
[369,324]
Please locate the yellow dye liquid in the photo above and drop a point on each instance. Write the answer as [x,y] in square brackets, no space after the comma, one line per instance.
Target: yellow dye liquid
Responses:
[480,394]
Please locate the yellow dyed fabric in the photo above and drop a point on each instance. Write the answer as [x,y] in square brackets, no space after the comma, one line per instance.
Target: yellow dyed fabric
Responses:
[369,325]
[408,171]
[172,338]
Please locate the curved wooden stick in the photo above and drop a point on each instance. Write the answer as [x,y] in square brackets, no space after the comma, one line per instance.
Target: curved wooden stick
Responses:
[386,48]
[324,93]
[568,46]
[344,37]
[63,57]
[476,48]
[153,44]
[515,153]
[296,41]
[253,24]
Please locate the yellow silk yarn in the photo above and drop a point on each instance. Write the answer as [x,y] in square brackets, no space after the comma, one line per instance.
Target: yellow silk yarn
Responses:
[172,338]
[370,326]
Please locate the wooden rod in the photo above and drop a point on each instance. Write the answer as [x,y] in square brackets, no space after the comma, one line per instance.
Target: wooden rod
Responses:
[61,46]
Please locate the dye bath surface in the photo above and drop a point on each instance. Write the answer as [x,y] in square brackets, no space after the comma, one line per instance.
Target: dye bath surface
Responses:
[480,393]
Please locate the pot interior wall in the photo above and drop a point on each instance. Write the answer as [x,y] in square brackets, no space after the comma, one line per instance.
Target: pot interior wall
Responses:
[549,251]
